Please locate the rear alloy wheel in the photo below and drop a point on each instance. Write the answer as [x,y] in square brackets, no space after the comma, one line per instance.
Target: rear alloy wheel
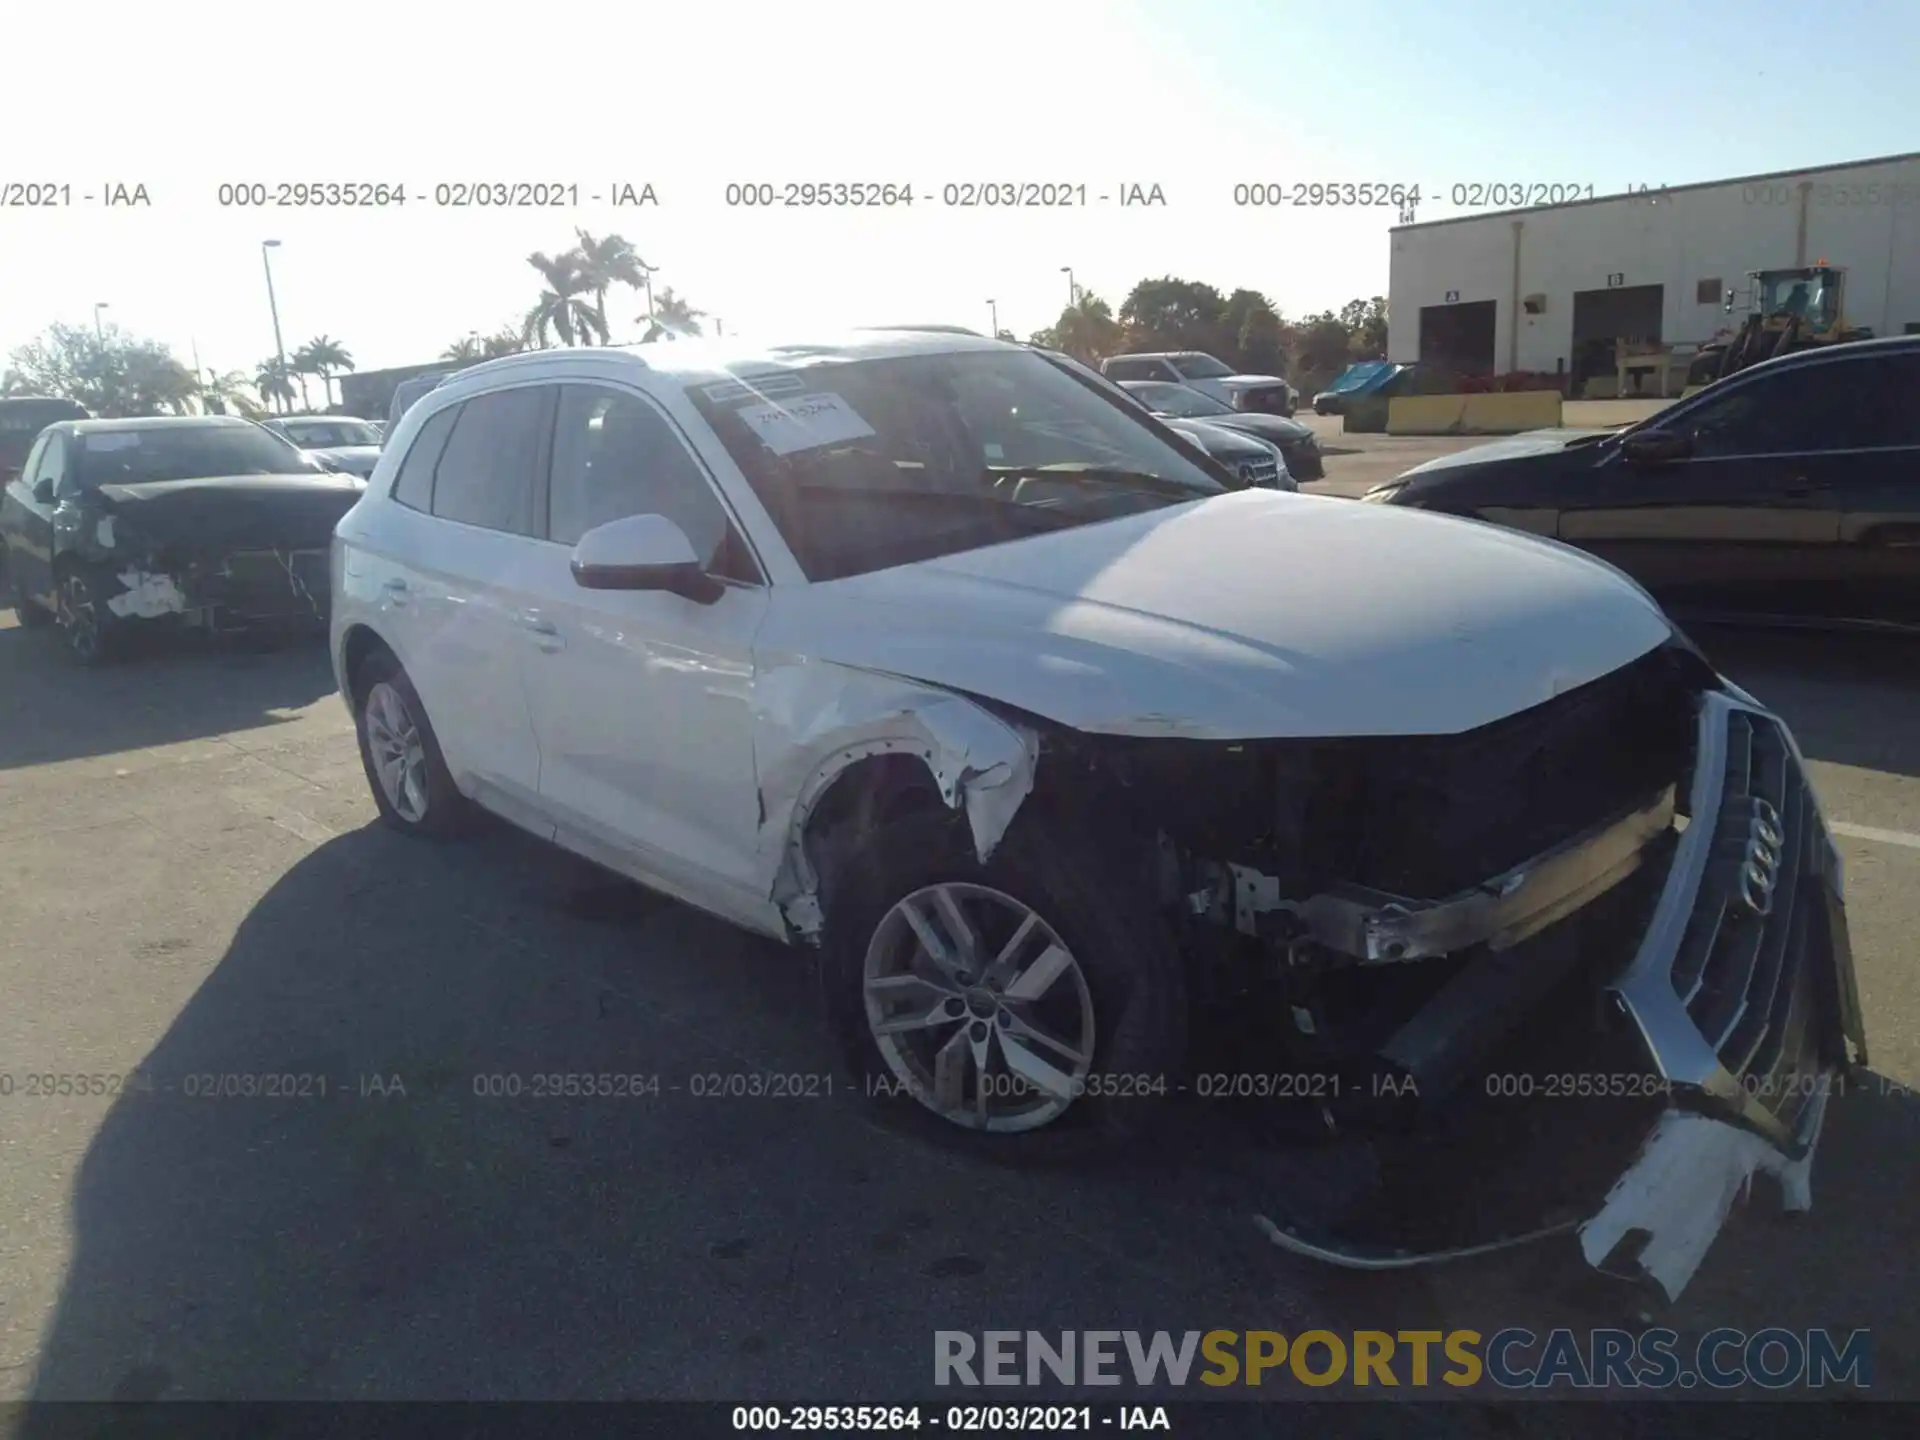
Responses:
[89,627]
[401,755]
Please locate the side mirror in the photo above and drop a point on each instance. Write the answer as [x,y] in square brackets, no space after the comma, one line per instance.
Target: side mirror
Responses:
[643,552]
[43,491]
[1656,447]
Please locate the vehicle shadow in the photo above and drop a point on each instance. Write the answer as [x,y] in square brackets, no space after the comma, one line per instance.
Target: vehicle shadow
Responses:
[1852,699]
[166,689]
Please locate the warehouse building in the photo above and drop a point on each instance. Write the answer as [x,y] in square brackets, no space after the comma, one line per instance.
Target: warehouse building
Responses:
[1571,289]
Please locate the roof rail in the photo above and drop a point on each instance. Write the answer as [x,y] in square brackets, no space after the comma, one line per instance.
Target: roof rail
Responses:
[522,357]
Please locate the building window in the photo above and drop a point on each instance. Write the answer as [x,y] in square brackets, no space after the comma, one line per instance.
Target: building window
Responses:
[1708,292]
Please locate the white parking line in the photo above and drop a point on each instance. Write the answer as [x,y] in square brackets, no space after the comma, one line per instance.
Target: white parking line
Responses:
[1868,832]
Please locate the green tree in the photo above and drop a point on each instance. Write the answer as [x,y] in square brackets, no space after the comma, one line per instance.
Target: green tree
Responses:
[673,317]
[1173,314]
[1322,347]
[1261,343]
[1366,324]
[109,372]
[565,307]
[466,350]
[323,356]
[274,381]
[1086,329]
[605,262]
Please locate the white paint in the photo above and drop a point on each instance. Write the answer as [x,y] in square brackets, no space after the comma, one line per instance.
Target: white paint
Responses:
[147,596]
[1716,232]
[1870,832]
[805,422]
[103,533]
[1213,620]
[1682,1188]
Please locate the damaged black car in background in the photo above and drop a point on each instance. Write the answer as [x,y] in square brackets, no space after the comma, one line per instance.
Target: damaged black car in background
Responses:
[208,522]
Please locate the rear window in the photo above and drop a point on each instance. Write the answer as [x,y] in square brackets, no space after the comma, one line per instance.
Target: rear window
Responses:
[185,452]
[1201,367]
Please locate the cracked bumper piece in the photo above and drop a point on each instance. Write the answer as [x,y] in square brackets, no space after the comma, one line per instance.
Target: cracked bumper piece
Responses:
[1740,997]
[239,589]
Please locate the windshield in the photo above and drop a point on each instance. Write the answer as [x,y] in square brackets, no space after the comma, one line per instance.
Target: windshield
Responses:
[868,464]
[1201,367]
[1171,399]
[1809,297]
[320,434]
[186,452]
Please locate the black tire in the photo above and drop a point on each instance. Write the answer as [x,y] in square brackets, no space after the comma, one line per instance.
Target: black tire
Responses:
[93,633]
[30,615]
[1124,950]
[443,811]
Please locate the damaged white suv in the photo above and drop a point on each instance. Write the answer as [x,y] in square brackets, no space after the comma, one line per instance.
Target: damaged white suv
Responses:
[1102,788]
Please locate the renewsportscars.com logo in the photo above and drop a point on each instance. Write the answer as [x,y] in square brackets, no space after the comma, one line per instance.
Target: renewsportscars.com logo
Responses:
[1514,1359]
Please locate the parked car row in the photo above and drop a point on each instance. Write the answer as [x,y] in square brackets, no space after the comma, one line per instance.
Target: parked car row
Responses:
[1262,394]
[946,660]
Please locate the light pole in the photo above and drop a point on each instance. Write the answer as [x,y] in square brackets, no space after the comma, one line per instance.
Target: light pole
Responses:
[273,305]
[993,310]
[1073,290]
[99,332]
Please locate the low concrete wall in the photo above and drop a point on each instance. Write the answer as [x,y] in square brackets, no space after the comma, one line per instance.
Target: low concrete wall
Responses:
[1505,414]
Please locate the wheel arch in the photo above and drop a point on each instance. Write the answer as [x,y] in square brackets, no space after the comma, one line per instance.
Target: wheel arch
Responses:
[879,747]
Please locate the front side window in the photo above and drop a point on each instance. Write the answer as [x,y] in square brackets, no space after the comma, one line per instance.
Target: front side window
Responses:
[1799,411]
[1202,367]
[1188,404]
[615,455]
[866,464]
[489,472]
[185,452]
[51,465]
[1130,369]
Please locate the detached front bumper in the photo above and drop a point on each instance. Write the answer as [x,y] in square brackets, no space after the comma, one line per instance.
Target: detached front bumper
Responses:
[1741,994]
[237,590]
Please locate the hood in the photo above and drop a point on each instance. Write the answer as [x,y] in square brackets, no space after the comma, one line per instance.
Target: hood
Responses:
[1277,428]
[356,459]
[1513,447]
[1249,615]
[234,512]
[1219,441]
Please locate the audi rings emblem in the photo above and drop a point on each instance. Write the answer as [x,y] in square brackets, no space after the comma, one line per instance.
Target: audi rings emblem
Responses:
[1760,866]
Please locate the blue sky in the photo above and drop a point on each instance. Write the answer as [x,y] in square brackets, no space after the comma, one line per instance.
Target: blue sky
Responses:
[1194,95]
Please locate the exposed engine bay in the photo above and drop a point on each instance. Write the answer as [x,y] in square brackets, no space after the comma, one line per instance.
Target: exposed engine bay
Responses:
[219,554]
[1511,974]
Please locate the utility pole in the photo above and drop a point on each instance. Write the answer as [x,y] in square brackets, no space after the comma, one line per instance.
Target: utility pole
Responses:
[993,311]
[1073,290]
[279,347]
[99,331]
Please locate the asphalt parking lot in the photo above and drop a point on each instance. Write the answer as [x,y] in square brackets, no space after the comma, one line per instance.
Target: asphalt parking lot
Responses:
[193,886]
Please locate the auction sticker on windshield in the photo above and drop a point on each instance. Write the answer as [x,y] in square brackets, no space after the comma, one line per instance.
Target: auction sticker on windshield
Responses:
[805,422]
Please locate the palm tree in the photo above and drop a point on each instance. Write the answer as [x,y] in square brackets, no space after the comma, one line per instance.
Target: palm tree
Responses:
[217,394]
[563,307]
[1086,329]
[607,262]
[274,381]
[466,350]
[672,318]
[321,356]
[505,341]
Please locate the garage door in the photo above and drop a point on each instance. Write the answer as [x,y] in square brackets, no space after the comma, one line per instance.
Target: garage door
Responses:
[1602,318]
[1458,337]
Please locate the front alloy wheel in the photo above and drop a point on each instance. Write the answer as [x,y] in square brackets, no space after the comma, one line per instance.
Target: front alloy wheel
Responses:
[398,752]
[81,619]
[978,1007]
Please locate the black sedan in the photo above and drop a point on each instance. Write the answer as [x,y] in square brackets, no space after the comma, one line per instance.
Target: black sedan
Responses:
[1788,493]
[1183,402]
[208,521]
[1257,462]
